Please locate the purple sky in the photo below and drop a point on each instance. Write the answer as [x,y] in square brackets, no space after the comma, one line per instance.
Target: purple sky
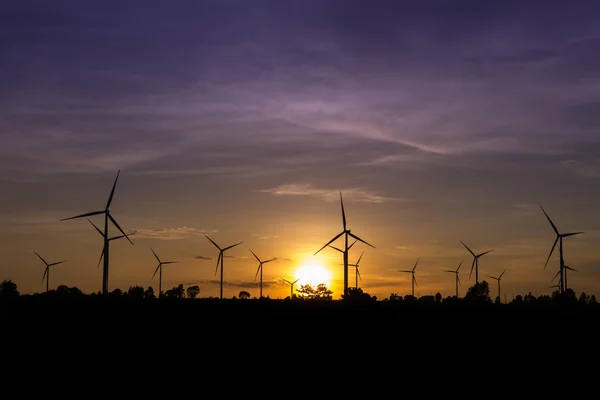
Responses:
[440,121]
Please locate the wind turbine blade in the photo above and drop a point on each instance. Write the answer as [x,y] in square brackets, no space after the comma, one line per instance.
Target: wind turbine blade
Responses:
[84,215]
[216,245]
[415,280]
[472,266]
[257,270]
[272,259]
[571,269]
[485,252]
[335,248]
[233,245]
[410,272]
[457,279]
[343,213]
[551,250]
[94,225]
[551,223]
[112,192]
[415,264]
[361,254]
[467,247]
[459,265]
[158,259]
[500,277]
[118,227]
[353,243]
[493,277]
[448,270]
[359,239]
[287,281]
[255,256]
[169,262]
[555,275]
[156,270]
[101,257]
[45,271]
[331,241]
[56,263]
[571,234]
[44,261]
[296,281]
[218,261]
[121,236]
[358,272]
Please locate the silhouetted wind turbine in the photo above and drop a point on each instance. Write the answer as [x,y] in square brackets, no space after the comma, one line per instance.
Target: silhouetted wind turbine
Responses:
[47,269]
[342,251]
[346,232]
[357,271]
[260,264]
[414,280]
[457,278]
[107,217]
[291,287]
[559,239]
[563,276]
[220,259]
[109,239]
[498,279]
[159,268]
[475,262]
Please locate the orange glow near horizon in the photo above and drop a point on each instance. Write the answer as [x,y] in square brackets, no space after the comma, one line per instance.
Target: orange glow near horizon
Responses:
[312,272]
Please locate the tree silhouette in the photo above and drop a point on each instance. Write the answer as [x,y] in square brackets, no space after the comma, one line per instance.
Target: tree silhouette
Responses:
[308,292]
[193,291]
[356,295]
[149,293]
[177,292]
[479,292]
[395,297]
[135,292]
[8,290]
[244,295]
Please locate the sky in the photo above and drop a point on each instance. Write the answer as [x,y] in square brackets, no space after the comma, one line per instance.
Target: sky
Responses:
[438,121]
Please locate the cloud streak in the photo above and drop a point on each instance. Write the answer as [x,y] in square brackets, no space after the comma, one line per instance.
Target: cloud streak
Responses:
[352,194]
[169,233]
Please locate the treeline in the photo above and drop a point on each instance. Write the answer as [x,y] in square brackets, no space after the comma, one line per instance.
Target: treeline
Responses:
[476,294]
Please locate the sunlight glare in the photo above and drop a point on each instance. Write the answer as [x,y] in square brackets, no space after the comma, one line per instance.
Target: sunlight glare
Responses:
[313,273]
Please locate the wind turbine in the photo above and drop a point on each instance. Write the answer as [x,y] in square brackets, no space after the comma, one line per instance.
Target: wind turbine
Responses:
[346,232]
[47,269]
[457,278]
[414,280]
[498,279]
[563,276]
[292,287]
[107,217]
[475,262]
[357,272]
[559,239]
[159,268]
[220,259]
[260,264]
[109,239]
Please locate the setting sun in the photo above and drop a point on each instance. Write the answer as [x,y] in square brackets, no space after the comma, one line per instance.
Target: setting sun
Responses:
[313,274]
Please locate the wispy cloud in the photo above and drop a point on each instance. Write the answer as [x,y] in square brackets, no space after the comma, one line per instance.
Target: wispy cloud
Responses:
[587,168]
[169,233]
[264,237]
[352,194]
